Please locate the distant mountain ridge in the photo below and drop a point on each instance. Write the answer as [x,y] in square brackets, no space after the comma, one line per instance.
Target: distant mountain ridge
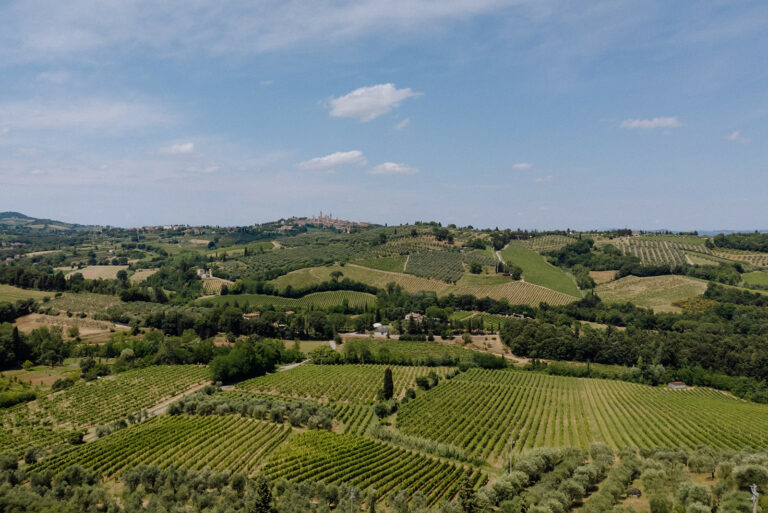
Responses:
[17,219]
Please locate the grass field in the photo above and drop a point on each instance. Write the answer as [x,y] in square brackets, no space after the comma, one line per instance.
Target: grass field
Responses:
[356,383]
[480,410]
[83,302]
[140,275]
[364,463]
[10,293]
[419,352]
[317,299]
[538,271]
[756,278]
[601,277]
[95,272]
[392,264]
[657,292]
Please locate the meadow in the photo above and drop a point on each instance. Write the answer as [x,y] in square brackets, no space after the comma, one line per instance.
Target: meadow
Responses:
[11,294]
[317,299]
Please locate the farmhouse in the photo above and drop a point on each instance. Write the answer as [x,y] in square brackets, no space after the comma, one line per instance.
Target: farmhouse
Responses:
[417,317]
[676,385]
[249,316]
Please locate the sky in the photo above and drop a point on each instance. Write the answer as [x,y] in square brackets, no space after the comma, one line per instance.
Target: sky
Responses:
[522,113]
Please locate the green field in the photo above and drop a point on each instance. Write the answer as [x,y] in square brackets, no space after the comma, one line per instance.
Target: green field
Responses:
[430,353]
[355,383]
[364,463]
[317,299]
[657,292]
[538,271]
[10,293]
[373,277]
[480,410]
[756,278]
[392,264]
[218,442]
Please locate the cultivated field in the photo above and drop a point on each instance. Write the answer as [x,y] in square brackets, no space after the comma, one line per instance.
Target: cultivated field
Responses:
[364,463]
[317,299]
[601,277]
[95,272]
[751,257]
[212,286]
[219,442]
[140,275]
[538,271]
[480,410]
[356,383]
[376,278]
[657,292]
[546,242]
[11,294]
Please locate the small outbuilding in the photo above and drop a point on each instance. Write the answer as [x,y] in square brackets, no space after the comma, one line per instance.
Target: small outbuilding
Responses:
[676,385]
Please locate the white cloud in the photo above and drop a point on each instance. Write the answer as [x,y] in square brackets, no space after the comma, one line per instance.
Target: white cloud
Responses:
[522,165]
[736,136]
[179,148]
[392,168]
[367,103]
[403,124]
[334,160]
[543,179]
[659,122]
[91,114]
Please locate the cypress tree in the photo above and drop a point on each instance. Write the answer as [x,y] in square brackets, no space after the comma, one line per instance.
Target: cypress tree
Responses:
[389,386]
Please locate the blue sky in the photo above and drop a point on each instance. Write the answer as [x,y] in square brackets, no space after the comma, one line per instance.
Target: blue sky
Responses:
[533,114]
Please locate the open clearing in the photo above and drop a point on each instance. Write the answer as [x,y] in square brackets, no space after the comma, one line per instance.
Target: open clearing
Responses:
[756,278]
[10,293]
[657,292]
[90,330]
[142,274]
[601,277]
[538,271]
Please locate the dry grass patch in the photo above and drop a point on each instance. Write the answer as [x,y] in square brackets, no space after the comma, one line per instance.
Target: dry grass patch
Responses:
[656,292]
[142,274]
[95,272]
[601,277]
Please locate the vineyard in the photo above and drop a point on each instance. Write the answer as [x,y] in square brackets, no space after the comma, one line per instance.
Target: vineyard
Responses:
[212,286]
[516,293]
[750,257]
[659,252]
[354,417]
[318,299]
[364,463]
[481,410]
[546,242]
[445,266]
[355,383]
[98,402]
[228,442]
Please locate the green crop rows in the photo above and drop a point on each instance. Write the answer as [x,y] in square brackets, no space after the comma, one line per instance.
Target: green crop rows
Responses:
[355,417]
[98,402]
[364,463]
[418,353]
[440,265]
[229,442]
[659,252]
[479,410]
[355,383]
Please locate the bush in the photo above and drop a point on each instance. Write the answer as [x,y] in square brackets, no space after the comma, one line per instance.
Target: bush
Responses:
[747,475]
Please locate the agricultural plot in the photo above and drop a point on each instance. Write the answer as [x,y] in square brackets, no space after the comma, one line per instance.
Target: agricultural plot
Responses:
[481,410]
[601,277]
[212,286]
[516,293]
[355,383]
[393,264]
[355,418]
[546,242]
[291,257]
[439,265]
[113,397]
[421,353]
[12,294]
[756,278]
[318,299]
[365,463]
[96,272]
[538,271]
[218,442]
[750,257]
[140,275]
[659,252]
[84,302]
[657,292]
[373,277]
